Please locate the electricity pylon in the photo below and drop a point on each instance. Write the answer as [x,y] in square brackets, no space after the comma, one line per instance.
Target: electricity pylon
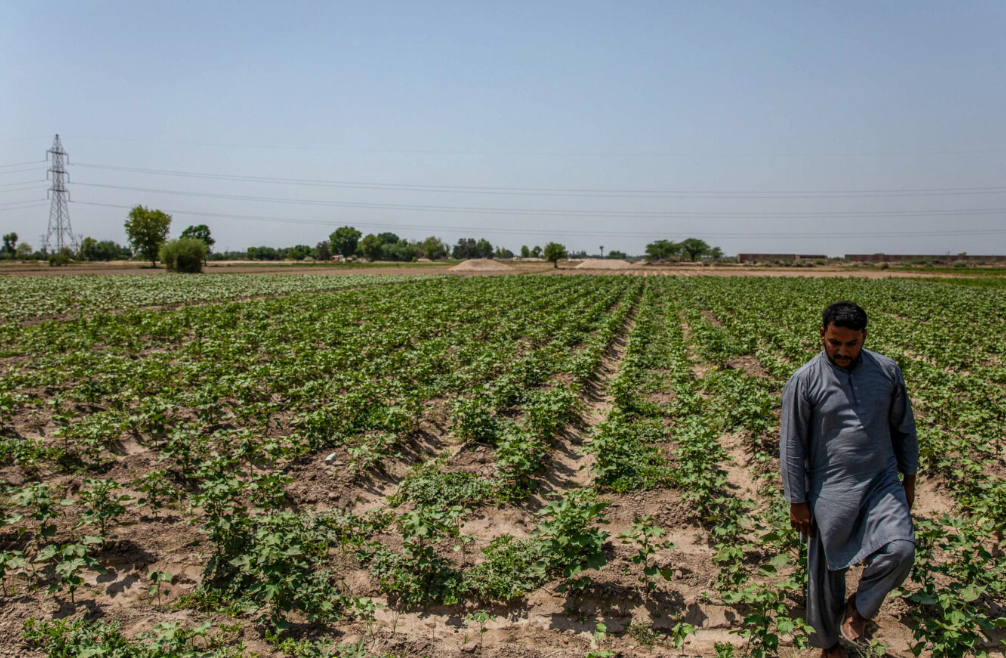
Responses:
[59,234]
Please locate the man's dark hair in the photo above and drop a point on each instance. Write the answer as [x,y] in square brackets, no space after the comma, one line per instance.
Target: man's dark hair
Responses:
[844,314]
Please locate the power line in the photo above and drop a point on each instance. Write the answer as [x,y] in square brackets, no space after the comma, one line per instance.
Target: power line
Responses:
[24,182]
[18,171]
[555,191]
[481,210]
[18,205]
[21,139]
[570,154]
[662,233]
[22,164]
[32,186]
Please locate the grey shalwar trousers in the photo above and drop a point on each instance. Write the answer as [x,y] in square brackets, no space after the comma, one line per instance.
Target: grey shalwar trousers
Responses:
[886,569]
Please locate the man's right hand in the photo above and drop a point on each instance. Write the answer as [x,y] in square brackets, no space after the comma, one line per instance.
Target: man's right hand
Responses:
[800,519]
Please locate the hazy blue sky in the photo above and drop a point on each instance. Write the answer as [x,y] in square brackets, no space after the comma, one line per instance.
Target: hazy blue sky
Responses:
[628,97]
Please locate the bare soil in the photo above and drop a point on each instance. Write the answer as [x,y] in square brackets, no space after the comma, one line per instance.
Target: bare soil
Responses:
[439,268]
[546,623]
[482,265]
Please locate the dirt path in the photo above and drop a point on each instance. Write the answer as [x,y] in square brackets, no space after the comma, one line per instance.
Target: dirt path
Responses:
[570,468]
[541,626]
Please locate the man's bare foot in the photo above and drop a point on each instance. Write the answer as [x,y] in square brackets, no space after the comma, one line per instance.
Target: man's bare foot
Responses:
[853,625]
[837,651]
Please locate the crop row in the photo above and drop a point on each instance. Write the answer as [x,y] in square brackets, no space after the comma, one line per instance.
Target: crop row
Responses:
[230,397]
[29,297]
[959,572]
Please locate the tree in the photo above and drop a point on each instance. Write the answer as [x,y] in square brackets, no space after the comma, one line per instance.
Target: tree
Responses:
[536,252]
[434,248]
[388,238]
[694,248]
[465,248]
[554,252]
[200,232]
[503,253]
[716,253]
[402,251]
[614,253]
[9,244]
[184,255]
[91,249]
[263,253]
[321,251]
[147,230]
[87,246]
[484,249]
[344,241]
[297,252]
[662,250]
[371,247]
[62,257]
[602,251]
[525,252]
[24,250]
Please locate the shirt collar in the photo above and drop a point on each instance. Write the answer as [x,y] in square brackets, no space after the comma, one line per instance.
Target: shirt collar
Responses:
[852,366]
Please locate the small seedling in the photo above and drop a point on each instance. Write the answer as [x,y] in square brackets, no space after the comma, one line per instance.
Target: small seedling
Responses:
[102,506]
[158,577]
[680,634]
[645,535]
[724,650]
[480,617]
[600,632]
[10,560]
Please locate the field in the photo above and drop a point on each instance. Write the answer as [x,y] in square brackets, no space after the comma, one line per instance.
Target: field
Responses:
[513,466]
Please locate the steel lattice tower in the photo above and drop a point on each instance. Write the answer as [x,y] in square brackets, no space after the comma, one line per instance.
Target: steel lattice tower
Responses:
[59,211]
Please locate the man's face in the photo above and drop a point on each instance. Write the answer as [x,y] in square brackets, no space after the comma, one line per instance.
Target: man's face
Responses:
[842,344]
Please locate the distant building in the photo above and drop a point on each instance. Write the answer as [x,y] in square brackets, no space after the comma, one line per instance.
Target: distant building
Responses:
[939,258]
[750,258]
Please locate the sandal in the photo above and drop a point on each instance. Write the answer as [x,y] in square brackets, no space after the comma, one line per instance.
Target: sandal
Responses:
[857,642]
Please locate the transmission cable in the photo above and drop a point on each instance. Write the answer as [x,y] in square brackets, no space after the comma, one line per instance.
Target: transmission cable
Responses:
[657,214]
[662,233]
[558,191]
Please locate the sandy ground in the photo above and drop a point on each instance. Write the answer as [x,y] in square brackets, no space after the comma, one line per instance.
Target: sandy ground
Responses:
[547,624]
[527,267]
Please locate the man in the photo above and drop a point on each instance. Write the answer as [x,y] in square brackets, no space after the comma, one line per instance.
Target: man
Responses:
[847,430]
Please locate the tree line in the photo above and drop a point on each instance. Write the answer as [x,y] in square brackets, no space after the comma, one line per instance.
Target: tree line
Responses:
[692,249]
[147,234]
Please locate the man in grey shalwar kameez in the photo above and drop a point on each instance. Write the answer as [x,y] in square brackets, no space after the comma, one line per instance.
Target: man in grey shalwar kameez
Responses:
[847,430]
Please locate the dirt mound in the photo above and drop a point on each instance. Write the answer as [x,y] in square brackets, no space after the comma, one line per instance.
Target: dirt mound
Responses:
[605,264]
[481,265]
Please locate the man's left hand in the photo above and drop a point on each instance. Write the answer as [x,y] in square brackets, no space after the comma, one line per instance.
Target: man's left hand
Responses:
[909,484]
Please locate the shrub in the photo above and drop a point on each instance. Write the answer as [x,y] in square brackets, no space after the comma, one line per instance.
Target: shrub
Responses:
[431,487]
[960,264]
[183,255]
[63,257]
[419,575]
[568,539]
[508,571]
[279,567]
[473,419]
[62,638]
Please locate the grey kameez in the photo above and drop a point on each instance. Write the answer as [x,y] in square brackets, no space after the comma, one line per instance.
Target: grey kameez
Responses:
[845,435]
